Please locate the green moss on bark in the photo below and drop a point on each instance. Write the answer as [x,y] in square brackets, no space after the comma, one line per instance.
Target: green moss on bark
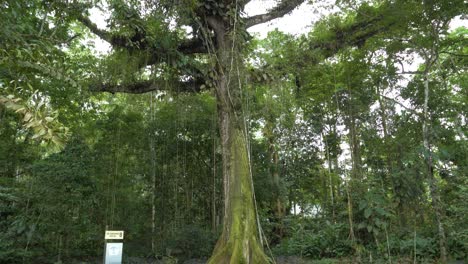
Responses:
[239,241]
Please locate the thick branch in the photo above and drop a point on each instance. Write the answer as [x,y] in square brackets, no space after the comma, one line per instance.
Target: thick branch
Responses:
[93,28]
[115,41]
[104,35]
[191,86]
[355,35]
[283,8]
[410,72]
[190,46]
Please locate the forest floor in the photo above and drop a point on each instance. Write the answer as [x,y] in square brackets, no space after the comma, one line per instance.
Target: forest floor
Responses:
[278,260]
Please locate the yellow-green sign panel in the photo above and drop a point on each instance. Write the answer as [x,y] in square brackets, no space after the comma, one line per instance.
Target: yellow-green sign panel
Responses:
[114,234]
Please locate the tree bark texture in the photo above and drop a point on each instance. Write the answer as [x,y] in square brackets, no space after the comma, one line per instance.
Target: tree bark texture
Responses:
[239,242]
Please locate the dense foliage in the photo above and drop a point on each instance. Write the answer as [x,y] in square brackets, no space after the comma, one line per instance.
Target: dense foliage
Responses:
[356,132]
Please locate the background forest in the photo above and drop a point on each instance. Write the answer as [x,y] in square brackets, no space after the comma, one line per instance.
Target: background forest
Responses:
[356,133]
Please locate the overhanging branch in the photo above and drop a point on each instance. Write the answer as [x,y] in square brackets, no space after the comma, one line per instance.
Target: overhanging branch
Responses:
[189,46]
[114,40]
[192,46]
[283,8]
[355,35]
[104,35]
[139,87]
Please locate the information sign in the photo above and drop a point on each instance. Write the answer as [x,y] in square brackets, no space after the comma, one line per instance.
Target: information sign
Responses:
[114,253]
[114,234]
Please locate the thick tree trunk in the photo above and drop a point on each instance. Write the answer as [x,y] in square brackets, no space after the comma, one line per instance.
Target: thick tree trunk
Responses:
[239,241]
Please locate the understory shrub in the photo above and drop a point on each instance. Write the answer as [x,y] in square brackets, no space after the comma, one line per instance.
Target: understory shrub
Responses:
[315,240]
[425,246]
[191,242]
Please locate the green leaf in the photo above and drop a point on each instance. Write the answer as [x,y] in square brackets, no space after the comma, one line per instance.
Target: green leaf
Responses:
[362,225]
[27,117]
[367,212]
[362,204]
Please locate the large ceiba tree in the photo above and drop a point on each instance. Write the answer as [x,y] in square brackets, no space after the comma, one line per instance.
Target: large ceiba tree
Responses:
[154,51]
[213,59]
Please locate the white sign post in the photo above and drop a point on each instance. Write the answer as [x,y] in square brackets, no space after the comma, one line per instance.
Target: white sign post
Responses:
[113,254]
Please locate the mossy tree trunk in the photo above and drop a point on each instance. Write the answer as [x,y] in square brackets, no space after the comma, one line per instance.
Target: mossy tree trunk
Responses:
[239,241]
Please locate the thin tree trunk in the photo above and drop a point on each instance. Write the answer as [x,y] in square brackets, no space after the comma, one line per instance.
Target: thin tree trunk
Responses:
[389,160]
[414,248]
[279,208]
[153,181]
[153,214]
[433,185]
[356,173]
[350,215]
[164,194]
[213,196]
[353,139]
[383,116]
[276,202]
[59,249]
[330,182]
[176,200]
[355,183]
